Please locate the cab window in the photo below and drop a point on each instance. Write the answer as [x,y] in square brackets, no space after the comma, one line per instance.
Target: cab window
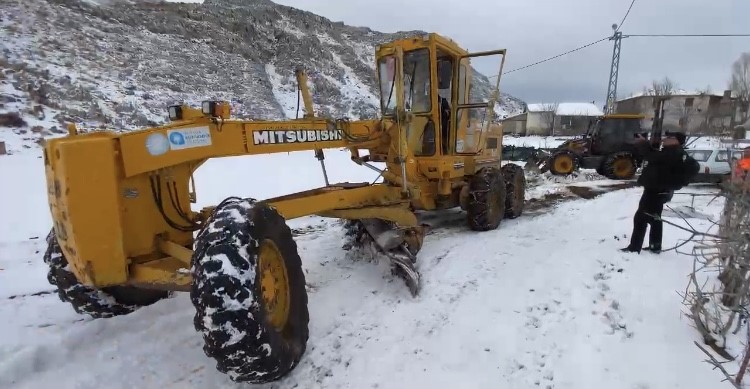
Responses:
[387,75]
[462,84]
[417,81]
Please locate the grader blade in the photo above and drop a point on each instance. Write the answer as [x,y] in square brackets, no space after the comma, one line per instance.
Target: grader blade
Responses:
[400,246]
[383,234]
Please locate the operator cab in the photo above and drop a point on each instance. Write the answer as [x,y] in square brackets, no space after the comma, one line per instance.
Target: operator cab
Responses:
[448,112]
[611,132]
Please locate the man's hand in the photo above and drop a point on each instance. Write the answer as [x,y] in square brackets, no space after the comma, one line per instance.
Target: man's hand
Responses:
[640,138]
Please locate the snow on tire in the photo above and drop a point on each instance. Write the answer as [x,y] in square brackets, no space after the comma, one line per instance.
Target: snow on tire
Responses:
[486,204]
[97,303]
[236,318]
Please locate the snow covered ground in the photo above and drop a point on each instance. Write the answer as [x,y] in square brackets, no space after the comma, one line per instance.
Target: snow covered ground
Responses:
[545,301]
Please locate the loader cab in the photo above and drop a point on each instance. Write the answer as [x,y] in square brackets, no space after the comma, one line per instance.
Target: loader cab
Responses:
[613,133]
[429,80]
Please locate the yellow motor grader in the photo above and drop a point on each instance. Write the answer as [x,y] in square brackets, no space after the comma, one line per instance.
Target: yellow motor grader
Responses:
[124,234]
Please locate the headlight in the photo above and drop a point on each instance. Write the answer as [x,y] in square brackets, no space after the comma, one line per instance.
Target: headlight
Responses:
[208,108]
[175,112]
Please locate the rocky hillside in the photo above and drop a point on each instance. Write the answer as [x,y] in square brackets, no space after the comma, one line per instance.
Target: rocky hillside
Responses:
[120,63]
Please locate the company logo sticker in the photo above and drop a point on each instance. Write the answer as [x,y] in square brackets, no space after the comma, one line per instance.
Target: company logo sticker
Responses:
[187,138]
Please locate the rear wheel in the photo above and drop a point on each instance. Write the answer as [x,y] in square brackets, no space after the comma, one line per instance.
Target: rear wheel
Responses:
[515,190]
[563,163]
[619,166]
[249,292]
[98,303]
[486,204]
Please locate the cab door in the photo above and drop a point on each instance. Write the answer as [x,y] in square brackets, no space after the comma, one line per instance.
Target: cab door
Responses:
[473,113]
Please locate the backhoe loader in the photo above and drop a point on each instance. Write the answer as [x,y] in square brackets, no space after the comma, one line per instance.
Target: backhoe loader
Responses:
[119,242]
[608,146]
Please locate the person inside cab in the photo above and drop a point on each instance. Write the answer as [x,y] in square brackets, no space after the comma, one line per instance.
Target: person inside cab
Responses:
[445,79]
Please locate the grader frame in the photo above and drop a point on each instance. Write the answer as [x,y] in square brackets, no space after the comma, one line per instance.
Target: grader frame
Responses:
[120,235]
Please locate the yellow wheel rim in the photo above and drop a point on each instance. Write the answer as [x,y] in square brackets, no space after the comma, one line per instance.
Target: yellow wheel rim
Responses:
[564,164]
[622,168]
[274,284]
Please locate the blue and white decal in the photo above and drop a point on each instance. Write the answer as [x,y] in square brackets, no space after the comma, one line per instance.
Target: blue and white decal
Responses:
[187,138]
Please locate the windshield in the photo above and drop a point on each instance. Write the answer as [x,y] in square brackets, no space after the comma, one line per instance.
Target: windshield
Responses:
[618,128]
[628,126]
[416,82]
[387,74]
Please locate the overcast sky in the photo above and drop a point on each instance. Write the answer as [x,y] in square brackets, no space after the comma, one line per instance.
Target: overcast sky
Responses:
[532,30]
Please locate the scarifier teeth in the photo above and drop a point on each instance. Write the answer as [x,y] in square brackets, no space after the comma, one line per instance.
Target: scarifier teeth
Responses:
[403,266]
[394,244]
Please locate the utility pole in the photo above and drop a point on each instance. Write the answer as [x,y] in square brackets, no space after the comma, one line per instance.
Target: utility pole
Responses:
[613,71]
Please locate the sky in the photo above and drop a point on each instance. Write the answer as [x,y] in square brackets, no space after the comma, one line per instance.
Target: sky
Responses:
[532,30]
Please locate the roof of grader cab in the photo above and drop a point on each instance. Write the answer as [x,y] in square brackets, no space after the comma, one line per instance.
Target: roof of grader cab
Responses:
[424,40]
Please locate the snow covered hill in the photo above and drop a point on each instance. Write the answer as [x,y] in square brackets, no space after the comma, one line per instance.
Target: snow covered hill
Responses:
[545,301]
[119,64]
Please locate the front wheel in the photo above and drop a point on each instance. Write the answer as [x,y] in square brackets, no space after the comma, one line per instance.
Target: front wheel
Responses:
[619,166]
[563,163]
[249,292]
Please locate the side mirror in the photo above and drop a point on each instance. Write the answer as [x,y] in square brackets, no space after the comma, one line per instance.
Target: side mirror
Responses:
[445,73]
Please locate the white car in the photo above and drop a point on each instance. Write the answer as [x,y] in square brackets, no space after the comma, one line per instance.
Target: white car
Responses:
[716,164]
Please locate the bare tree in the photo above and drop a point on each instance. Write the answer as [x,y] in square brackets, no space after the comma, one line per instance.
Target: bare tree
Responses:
[718,295]
[665,87]
[740,84]
[549,111]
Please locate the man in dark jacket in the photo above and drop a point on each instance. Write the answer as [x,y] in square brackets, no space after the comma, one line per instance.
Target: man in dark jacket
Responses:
[657,178]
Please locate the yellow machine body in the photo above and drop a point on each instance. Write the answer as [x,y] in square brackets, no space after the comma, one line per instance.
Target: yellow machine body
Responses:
[120,202]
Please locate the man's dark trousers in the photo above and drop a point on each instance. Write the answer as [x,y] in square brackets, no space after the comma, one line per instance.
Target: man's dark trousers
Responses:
[652,203]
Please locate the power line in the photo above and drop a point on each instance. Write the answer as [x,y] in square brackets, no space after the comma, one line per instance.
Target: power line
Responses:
[624,36]
[625,17]
[683,35]
[576,49]
[557,56]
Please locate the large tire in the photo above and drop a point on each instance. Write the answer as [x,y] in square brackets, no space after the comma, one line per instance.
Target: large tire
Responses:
[97,303]
[619,166]
[252,336]
[563,163]
[515,190]
[486,204]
